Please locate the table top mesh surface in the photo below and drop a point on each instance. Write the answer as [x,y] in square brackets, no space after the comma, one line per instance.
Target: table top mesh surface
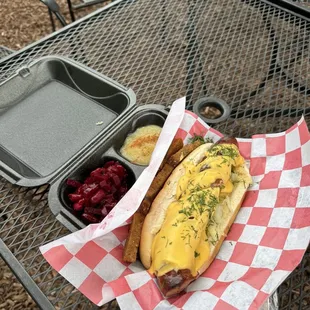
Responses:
[249,53]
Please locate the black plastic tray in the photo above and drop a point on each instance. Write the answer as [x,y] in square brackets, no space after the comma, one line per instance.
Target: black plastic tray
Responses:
[51,114]
[107,149]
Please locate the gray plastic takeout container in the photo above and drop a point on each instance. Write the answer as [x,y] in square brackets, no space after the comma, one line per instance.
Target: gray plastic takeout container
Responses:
[52,130]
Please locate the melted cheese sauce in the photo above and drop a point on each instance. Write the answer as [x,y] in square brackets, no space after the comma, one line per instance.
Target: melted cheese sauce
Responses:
[139,146]
[184,239]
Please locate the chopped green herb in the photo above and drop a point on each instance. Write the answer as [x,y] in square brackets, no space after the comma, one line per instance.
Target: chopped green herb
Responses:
[226,150]
[201,139]
[244,184]
[191,182]
[195,231]
[213,242]
[211,222]
[196,254]
[224,161]
[209,140]
[196,138]
[188,237]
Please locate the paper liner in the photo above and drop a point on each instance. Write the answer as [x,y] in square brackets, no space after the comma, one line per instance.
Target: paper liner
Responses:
[266,242]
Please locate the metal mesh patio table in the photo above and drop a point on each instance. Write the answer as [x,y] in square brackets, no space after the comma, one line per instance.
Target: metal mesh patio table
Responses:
[253,54]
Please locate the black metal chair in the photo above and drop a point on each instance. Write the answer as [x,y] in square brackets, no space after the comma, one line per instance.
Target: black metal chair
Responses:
[82,4]
[53,9]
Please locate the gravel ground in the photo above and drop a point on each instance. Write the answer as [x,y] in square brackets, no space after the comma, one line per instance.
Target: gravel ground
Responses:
[23,22]
[12,293]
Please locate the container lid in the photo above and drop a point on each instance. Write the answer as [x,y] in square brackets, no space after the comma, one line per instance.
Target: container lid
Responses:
[51,112]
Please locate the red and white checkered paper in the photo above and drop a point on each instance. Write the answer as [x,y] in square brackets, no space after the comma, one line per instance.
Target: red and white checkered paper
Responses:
[265,243]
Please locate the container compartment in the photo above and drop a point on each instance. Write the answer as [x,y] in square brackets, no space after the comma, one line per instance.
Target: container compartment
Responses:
[80,79]
[81,174]
[141,119]
[47,117]
[107,150]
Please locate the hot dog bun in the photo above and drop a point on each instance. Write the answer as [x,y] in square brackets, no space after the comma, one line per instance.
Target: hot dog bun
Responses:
[156,215]
[174,269]
[236,198]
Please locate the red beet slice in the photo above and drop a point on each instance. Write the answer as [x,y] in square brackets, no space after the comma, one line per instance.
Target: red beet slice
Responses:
[79,206]
[123,189]
[98,197]
[109,163]
[113,170]
[105,186]
[92,211]
[113,189]
[100,177]
[109,198]
[97,171]
[104,211]
[73,183]
[75,197]
[89,180]
[89,190]
[90,218]
[87,203]
[121,170]
[116,180]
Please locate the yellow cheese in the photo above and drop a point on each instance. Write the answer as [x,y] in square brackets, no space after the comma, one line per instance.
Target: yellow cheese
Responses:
[202,253]
[228,188]
[175,245]
[183,240]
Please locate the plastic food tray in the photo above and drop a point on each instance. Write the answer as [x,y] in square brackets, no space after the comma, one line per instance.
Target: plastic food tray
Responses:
[60,120]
